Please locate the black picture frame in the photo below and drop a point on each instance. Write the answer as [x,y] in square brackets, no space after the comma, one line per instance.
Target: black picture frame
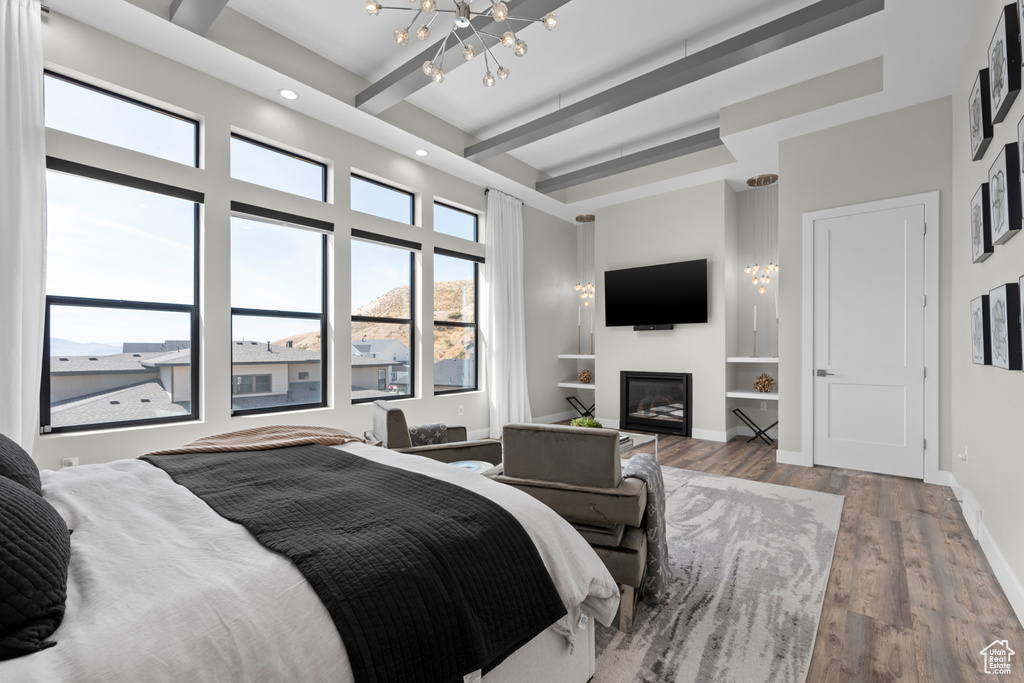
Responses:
[1020,288]
[979,115]
[1005,331]
[1004,194]
[981,339]
[1004,63]
[981,225]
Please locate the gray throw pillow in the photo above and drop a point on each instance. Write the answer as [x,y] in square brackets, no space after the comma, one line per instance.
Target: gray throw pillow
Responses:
[428,434]
[17,465]
[35,548]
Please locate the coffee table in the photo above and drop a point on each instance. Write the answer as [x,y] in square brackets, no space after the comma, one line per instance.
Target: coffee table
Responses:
[637,443]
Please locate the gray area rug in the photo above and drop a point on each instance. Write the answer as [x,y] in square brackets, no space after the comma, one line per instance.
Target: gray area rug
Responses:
[750,564]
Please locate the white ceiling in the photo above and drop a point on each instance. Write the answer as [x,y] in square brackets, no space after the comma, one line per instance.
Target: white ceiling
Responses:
[598,44]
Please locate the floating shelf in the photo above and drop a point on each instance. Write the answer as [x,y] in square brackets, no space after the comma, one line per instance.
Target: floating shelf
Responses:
[772,395]
[752,359]
[576,385]
[577,356]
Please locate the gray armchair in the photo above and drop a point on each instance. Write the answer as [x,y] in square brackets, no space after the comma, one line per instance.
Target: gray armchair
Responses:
[577,472]
[392,430]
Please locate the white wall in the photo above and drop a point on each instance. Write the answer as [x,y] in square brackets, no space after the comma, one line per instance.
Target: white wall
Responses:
[695,223]
[986,401]
[81,51]
[278,375]
[897,154]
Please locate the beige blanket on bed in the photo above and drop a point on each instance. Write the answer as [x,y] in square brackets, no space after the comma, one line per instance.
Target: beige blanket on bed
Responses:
[263,438]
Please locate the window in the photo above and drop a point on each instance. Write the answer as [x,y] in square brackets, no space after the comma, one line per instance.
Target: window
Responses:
[455,313]
[121,316]
[378,199]
[382,318]
[91,112]
[255,162]
[455,222]
[278,304]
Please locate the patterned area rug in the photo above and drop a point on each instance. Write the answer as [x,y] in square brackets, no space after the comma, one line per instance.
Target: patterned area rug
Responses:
[750,563]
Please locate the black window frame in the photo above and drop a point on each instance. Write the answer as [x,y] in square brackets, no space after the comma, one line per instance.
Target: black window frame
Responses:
[372,181]
[477,262]
[133,182]
[138,103]
[476,221]
[412,248]
[323,181]
[243,210]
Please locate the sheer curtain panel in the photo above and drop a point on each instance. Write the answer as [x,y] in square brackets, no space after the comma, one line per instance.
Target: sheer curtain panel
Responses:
[22,218]
[505,321]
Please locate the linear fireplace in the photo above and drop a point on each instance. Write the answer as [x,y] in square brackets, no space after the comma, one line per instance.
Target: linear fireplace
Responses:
[656,402]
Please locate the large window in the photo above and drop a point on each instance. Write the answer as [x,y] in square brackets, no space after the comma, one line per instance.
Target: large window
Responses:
[91,112]
[262,164]
[278,305]
[378,199]
[455,222]
[455,319]
[122,285]
[382,318]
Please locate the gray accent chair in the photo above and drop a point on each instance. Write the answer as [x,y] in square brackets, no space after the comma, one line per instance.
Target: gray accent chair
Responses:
[392,430]
[577,472]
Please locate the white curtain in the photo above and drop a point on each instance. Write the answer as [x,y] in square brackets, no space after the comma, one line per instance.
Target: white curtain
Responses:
[505,321]
[22,218]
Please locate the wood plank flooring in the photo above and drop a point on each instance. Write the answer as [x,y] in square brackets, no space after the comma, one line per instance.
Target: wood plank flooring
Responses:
[910,597]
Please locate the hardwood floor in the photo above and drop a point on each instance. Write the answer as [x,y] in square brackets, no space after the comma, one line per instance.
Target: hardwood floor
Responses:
[910,597]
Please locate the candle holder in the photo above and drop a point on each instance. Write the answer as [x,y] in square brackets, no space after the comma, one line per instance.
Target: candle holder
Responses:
[776,337]
[755,343]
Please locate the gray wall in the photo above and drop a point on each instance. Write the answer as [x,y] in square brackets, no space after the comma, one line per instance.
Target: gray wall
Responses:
[986,400]
[897,154]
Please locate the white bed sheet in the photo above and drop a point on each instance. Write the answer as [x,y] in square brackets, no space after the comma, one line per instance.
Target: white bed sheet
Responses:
[161,588]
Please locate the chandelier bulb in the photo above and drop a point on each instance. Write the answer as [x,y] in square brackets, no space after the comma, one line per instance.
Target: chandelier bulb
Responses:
[372,7]
[438,75]
[508,39]
[761,291]
[502,73]
[586,303]
[519,49]
[428,5]
[499,11]
[401,36]
[428,68]
[423,32]
[754,281]
[469,52]
[489,80]
[549,20]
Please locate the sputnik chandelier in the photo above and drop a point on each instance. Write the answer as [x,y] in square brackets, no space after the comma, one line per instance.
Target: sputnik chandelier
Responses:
[766,231]
[463,14]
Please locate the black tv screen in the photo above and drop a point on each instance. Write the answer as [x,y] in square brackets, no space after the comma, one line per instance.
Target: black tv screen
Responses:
[666,294]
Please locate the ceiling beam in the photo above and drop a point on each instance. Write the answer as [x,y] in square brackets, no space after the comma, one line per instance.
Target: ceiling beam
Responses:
[196,15]
[805,23]
[646,157]
[408,78]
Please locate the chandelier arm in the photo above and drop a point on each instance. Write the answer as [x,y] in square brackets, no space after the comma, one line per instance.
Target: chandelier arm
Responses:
[414,20]
[487,50]
[444,46]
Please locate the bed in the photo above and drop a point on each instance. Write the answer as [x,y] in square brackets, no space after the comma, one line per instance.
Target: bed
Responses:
[162,588]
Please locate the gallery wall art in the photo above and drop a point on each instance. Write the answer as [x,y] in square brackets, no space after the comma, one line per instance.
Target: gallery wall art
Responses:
[1004,63]
[981,225]
[980,115]
[1004,194]
[1004,319]
[981,342]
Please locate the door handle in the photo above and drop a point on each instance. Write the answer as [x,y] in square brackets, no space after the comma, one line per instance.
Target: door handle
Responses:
[824,373]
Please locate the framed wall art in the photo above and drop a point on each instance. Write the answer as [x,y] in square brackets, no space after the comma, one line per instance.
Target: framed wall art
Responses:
[1004,319]
[1004,194]
[981,225]
[1020,288]
[981,340]
[980,115]
[1004,63]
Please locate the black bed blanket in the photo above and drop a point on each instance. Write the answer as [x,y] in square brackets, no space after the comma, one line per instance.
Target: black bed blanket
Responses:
[425,580]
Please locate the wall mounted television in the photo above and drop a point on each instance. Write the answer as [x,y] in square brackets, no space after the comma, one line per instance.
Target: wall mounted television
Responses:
[657,297]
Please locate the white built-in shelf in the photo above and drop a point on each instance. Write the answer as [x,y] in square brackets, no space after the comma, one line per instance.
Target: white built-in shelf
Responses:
[577,356]
[772,395]
[752,359]
[576,385]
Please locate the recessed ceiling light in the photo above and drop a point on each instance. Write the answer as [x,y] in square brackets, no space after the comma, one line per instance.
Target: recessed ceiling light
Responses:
[288,94]
[421,152]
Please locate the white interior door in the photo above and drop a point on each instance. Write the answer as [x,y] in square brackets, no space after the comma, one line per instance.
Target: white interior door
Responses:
[869,341]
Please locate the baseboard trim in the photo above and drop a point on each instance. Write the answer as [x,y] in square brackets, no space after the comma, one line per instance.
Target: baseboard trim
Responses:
[741,430]
[792,458]
[939,478]
[608,422]
[1004,574]
[709,435]
[555,417]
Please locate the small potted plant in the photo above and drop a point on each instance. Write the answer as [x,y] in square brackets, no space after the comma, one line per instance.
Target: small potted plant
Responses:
[585,422]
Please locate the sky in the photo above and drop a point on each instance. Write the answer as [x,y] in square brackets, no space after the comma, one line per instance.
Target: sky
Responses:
[114,242]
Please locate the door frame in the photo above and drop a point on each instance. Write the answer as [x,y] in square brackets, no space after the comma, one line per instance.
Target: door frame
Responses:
[930,201]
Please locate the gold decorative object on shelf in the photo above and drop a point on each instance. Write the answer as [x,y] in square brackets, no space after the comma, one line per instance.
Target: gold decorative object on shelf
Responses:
[764,383]
[585,376]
